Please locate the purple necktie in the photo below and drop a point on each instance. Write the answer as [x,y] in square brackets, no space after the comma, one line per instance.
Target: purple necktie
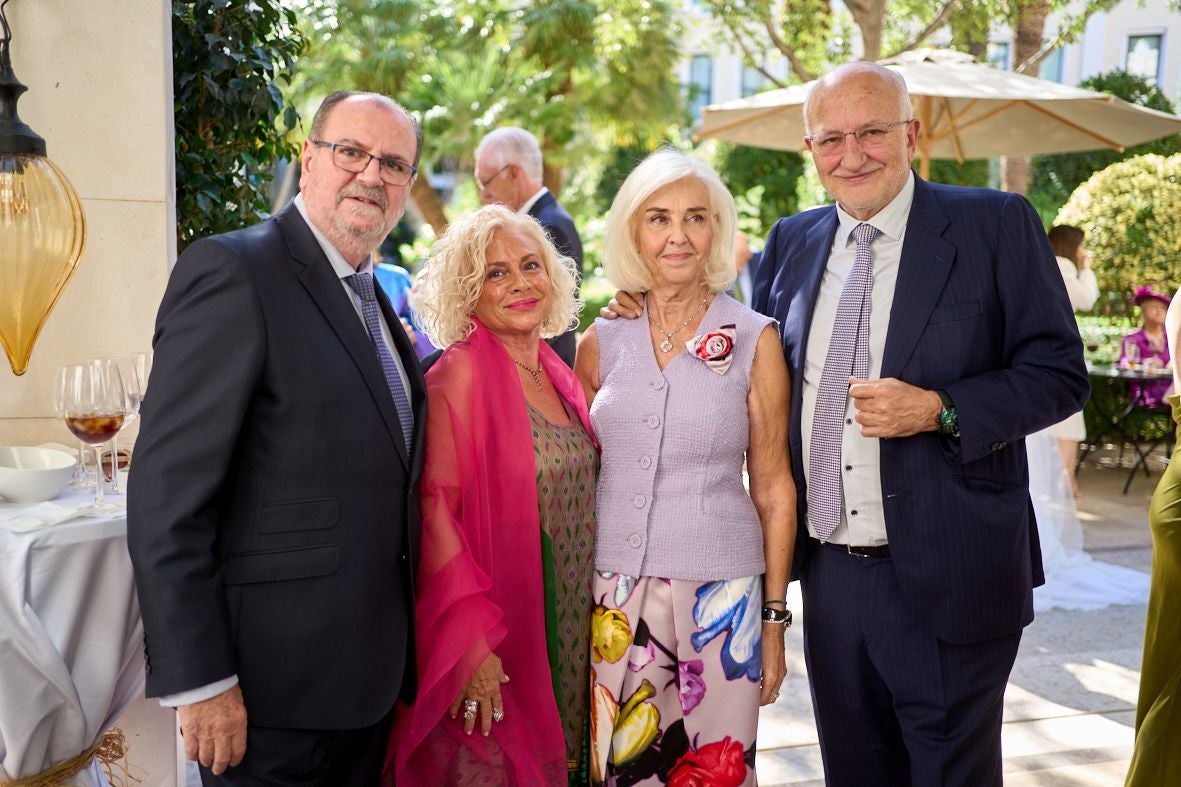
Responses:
[362,284]
[848,353]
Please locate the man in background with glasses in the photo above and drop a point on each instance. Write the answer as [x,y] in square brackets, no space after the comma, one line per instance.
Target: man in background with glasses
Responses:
[927,332]
[273,515]
[509,172]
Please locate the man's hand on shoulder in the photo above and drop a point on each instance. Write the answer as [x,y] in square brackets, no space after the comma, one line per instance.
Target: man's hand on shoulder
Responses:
[215,730]
[624,304]
[892,408]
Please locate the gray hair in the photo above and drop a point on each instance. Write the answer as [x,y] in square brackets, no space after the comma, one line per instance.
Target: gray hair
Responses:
[326,106]
[512,145]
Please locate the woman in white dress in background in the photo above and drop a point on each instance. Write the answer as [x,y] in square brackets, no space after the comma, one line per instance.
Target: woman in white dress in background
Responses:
[1074,262]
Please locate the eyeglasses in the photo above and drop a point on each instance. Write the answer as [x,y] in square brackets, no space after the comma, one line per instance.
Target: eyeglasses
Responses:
[869,137]
[393,171]
[483,184]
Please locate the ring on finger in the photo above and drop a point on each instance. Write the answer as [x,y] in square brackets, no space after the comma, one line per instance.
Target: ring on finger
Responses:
[469,709]
[498,714]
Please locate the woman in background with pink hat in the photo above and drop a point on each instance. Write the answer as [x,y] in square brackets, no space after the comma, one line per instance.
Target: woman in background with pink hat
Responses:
[1148,347]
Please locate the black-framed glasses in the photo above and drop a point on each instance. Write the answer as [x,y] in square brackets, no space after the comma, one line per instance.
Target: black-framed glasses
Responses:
[393,171]
[483,184]
[870,137]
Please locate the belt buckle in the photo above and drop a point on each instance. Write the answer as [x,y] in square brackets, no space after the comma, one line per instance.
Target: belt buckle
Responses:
[857,554]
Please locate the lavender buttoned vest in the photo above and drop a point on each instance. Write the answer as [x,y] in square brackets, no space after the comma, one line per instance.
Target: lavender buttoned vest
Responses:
[671,500]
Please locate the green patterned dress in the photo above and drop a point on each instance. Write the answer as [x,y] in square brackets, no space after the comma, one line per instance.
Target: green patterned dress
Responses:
[567,467]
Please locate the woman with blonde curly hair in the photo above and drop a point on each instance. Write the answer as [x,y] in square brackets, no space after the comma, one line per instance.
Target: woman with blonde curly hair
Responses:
[503,588]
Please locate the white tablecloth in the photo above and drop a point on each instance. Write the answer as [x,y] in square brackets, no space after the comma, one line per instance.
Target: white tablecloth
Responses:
[71,640]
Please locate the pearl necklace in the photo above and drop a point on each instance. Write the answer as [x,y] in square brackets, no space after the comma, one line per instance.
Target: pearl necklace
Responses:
[534,373]
[666,346]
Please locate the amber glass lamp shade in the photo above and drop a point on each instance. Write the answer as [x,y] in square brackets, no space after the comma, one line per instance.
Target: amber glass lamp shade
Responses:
[42,235]
[42,229]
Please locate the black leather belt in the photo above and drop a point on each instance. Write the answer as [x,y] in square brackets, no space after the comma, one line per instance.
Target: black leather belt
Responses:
[879,551]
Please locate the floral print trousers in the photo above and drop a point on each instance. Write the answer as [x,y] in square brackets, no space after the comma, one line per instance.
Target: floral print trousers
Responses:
[675,671]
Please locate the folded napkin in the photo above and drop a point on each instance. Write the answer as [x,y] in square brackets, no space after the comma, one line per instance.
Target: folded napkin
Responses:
[22,519]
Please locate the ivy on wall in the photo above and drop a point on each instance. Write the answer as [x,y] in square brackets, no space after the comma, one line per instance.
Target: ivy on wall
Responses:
[232,122]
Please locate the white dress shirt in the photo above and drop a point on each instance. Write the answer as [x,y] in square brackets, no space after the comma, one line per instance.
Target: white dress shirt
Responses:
[529,203]
[342,269]
[862,518]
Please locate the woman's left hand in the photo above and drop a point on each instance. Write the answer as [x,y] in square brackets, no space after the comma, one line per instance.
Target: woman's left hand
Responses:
[774,662]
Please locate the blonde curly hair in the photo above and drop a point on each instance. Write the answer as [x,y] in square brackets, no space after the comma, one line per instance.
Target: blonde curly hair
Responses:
[452,279]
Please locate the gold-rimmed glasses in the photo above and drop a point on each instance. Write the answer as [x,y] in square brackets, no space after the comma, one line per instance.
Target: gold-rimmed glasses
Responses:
[394,172]
[870,136]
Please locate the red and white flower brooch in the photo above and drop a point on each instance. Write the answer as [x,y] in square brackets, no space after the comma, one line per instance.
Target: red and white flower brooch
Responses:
[716,348]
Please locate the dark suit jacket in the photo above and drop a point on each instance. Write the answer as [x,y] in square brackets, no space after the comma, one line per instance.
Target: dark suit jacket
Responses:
[273,517]
[981,312]
[560,228]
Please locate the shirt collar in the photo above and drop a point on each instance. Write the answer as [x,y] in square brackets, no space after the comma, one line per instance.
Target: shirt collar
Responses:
[890,220]
[529,203]
[340,265]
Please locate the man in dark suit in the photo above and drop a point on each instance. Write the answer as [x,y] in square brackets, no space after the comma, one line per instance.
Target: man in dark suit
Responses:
[273,518]
[509,171]
[927,332]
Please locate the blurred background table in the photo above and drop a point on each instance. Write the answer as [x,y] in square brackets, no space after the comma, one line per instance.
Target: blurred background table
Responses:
[1115,415]
[71,640]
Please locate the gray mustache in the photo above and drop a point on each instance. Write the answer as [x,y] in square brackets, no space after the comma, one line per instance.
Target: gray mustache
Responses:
[377,195]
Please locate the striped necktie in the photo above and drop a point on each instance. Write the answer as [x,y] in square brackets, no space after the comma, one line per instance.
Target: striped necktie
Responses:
[848,353]
[362,284]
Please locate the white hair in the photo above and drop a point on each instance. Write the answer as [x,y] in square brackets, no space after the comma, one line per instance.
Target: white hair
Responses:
[622,261]
[512,145]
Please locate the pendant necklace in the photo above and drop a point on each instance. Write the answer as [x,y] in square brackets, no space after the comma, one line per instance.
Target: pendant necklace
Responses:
[666,346]
[534,373]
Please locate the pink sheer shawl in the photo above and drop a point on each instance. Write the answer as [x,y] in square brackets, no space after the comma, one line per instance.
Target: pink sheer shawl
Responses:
[479,586]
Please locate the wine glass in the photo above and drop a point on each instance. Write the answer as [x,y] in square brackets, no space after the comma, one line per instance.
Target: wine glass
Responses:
[132,387]
[80,479]
[95,405]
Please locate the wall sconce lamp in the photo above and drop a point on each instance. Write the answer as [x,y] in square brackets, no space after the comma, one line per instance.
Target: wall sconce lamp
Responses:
[42,228]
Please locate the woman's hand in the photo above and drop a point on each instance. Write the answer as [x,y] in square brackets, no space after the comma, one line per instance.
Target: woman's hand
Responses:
[774,662]
[484,689]
[624,304]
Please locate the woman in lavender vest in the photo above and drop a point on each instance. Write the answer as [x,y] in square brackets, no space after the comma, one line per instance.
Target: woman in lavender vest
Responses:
[690,570]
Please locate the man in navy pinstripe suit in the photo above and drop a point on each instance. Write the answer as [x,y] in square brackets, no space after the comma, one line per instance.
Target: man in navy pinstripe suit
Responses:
[916,602]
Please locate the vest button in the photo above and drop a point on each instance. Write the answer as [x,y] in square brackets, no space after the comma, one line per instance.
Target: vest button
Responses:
[653,421]
[639,501]
[634,541]
[645,462]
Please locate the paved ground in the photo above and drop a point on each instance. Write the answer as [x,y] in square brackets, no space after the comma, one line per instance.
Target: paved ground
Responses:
[1071,702]
[1069,709]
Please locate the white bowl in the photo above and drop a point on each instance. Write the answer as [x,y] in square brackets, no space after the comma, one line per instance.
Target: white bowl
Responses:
[31,475]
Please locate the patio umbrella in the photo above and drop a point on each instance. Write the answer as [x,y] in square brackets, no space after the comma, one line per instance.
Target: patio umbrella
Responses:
[967,110]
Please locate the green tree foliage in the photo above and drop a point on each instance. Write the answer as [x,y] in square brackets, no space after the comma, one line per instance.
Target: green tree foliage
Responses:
[1129,212]
[231,118]
[974,172]
[776,172]
[571,71]
[1055,177]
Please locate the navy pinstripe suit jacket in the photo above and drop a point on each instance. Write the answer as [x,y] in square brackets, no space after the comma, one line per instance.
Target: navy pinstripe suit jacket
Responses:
[981,312]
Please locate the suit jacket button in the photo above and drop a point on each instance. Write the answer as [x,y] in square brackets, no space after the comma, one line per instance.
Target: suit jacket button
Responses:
[998,446]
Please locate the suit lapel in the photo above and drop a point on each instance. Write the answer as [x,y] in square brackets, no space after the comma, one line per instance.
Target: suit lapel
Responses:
[805,271]
[323,285]
[922,273]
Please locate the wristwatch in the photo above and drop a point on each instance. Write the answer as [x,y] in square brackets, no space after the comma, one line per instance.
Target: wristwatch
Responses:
[947,423]
[772,615]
